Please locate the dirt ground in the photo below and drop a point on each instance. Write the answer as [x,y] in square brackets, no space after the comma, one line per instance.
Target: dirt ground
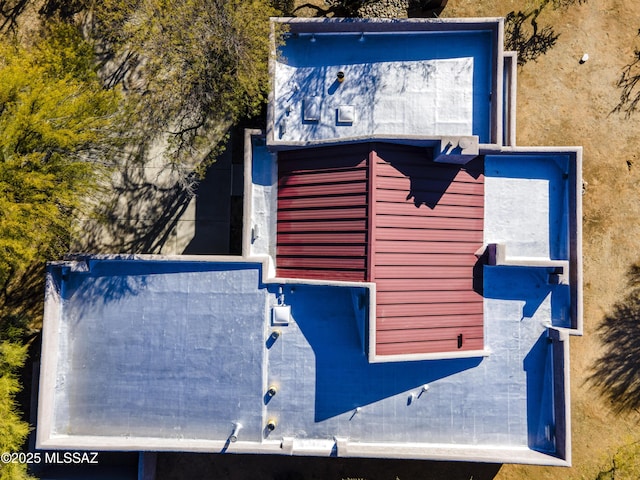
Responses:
[563,102]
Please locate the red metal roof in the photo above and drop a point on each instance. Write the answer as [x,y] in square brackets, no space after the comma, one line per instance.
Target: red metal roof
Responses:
[427,222]
[391,215]
[322,213]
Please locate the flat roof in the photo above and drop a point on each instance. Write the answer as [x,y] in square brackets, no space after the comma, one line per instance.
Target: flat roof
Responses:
[171,355]
[155,353]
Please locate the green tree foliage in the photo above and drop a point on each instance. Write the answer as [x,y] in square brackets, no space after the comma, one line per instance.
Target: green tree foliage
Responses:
[191,67]
[54,115]
[13,431]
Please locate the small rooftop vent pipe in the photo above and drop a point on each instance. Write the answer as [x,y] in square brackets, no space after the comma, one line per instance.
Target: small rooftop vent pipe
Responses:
[281,313]
[340,76]
[234,435]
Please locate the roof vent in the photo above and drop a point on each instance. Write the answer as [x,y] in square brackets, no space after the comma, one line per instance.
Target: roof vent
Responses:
[346,114]
[311,112]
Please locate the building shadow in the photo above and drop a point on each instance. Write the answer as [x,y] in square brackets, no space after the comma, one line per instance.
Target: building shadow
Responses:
[281,467]
[345,379]
[540,422]
[212,219]
[429,180]
[616,373]
[528,284]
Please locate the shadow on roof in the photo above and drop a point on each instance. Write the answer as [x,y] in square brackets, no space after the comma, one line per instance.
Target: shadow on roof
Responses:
[344,377]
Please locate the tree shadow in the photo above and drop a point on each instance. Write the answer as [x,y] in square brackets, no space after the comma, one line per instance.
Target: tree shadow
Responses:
[64,9]
[361,8]
[334,8]
[10,10]
[426,8]
[629,83]
[529,41]
[140,210]
[21,304]
[616,373]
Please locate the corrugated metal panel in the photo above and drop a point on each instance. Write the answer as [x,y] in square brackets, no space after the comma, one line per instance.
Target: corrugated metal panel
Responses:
[322,238]
[417,272]
[430,334]
[326,176]
[424,284]
[422,234]
[320,274]
[423,297]
[452,199]
[448,345]
[321,263]
[431,321]
[391,246]
[410,310]
[341,225]
[327,201]
[407,259]
[428,224]
[453,191]
[322,213]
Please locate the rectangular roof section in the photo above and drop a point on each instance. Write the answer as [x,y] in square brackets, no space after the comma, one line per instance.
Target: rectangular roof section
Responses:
[427,226]
[415,79]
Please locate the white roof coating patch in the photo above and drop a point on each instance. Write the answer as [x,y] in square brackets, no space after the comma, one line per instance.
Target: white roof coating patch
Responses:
[527,201]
